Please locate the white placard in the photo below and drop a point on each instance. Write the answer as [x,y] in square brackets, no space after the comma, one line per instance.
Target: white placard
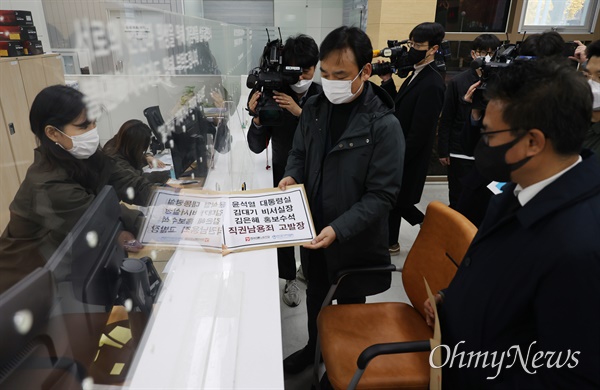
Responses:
[232,221]
[267,219]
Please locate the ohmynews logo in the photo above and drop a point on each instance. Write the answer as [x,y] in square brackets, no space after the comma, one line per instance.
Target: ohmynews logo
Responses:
[529,362]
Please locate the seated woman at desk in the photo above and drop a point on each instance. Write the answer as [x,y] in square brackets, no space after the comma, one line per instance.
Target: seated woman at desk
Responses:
[129,147]
[67,172]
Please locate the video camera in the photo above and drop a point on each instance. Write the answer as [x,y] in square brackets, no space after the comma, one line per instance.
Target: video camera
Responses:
[269,76]
[503,56]
[397,52]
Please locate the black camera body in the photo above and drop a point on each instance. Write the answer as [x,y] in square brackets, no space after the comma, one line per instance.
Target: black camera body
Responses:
[503,56]
[397,52]
[443,55]
[271,75]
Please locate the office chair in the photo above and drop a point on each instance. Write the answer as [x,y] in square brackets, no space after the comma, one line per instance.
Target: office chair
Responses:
[34,350]
[366,346]
[155,120]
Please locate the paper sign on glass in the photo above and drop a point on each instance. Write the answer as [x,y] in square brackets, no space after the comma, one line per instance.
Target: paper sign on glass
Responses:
[185,219]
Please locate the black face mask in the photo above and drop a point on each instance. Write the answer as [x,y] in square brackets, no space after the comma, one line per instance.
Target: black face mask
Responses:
[490,161]
[415,56]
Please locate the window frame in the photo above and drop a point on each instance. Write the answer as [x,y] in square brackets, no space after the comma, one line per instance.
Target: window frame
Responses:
[588,28]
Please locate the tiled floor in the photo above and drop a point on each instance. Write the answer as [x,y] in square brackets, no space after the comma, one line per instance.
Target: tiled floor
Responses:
[293,320]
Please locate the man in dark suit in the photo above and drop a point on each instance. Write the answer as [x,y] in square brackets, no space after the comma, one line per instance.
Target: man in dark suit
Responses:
[418,105]
[526,289]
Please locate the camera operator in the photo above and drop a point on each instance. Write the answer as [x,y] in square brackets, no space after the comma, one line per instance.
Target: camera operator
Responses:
[548,44]
[300,51]
[452,150]
[418,105]
[475,196]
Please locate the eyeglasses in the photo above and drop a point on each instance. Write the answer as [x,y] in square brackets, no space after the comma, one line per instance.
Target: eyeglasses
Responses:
[418,46]
[482,53]
[485,134]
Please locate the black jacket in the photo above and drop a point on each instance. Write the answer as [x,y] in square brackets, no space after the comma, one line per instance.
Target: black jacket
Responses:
[531,276]
[47,206]
[281,137]
[592,139]
[454,115]
[418,107]
[359,178]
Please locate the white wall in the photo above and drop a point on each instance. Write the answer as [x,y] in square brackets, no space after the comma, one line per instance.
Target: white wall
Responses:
[193,8]
[37,12]
[313,17]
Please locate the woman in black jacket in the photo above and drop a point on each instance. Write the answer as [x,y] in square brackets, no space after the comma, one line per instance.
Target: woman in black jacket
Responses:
[67,173]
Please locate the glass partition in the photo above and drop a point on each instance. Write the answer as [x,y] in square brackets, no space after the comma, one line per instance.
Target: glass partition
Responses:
[183,75]
[140,57]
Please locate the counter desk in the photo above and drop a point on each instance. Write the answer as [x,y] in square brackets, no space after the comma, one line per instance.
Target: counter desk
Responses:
[216,323]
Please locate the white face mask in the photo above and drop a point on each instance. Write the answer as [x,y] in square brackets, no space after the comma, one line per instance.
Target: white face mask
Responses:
[595,86]
[84,145]
[340,91]
[301,86]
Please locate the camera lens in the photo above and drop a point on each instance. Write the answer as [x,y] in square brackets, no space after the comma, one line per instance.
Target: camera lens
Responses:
[382,68]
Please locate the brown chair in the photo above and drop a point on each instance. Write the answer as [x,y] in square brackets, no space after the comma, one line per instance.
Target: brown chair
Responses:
[370,342]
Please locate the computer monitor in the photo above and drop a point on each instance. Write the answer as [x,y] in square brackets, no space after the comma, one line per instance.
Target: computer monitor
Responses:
[34,348]
[155,121]
[190,144]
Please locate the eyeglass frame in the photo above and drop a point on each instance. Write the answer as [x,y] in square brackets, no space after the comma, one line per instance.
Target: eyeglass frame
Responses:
[412,44]
[481,53]
[484,134]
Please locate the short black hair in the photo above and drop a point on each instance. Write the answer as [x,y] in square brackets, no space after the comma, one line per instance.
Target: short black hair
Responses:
[485,42]
[546,94]
[352,38]
[433,33]
[301,51]
[548,44]
[593,49]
